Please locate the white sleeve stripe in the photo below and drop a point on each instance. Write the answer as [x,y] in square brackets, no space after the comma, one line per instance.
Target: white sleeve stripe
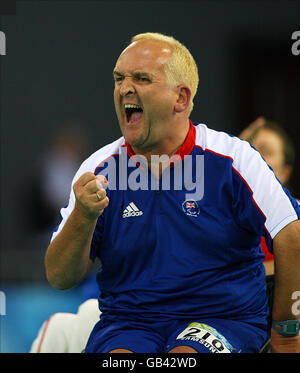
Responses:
[251,191]
[87,166]
[267,192]
[282,224]
[110,156]
[241,177]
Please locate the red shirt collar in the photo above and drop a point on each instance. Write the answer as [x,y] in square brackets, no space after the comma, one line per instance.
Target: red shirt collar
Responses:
[185,149]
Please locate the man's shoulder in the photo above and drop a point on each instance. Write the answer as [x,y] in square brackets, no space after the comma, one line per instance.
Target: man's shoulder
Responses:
[220,142]
[92,162]
[240,155]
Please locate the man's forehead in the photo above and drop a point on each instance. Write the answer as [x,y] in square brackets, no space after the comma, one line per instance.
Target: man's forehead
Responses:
[133,72]
[147,46]
[144,52]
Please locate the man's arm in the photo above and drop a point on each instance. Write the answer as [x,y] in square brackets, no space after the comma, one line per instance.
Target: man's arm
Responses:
[286,246]
[67,258]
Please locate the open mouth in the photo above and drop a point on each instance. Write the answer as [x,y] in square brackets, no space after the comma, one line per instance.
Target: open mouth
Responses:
[133,113]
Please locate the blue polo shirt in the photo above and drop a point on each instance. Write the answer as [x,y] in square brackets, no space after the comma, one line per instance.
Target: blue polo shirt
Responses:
[170,254]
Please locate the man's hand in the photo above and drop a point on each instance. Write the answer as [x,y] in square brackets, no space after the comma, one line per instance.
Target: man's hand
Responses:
[91,198]
[282,344]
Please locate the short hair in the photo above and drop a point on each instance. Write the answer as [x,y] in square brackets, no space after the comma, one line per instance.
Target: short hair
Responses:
[288,146]
[181,67]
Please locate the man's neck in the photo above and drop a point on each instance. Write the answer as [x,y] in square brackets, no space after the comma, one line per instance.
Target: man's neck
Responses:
[168,146]
[164,151]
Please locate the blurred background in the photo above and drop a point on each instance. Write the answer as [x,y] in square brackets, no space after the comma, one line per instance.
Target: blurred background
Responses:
[57,108]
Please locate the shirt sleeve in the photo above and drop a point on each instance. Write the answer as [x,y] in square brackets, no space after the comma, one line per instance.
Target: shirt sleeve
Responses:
[261,203]
[65,211]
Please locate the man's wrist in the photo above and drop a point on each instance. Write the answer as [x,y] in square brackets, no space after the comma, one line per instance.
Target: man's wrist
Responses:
[287,328]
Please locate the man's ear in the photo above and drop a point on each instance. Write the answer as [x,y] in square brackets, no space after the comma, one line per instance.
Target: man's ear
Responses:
[183,99]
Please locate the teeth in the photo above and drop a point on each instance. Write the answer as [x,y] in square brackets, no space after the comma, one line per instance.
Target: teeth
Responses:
[132,106]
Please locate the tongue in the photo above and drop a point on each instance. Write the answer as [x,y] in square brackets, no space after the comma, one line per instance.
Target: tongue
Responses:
[135,116]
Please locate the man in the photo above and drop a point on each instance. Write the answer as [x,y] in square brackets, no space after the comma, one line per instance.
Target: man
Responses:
[277,149]
[181,272]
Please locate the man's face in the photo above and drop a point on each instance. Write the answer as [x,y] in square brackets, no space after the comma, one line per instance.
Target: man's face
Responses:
[270,146]
[144,100]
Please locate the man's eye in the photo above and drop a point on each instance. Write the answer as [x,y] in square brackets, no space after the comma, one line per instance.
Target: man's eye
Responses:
[118,78]
[143,78]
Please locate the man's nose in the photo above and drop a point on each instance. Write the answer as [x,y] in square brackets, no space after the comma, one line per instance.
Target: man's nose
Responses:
[127,88]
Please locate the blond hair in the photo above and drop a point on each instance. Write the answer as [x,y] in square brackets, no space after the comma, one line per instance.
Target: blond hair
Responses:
[181,67]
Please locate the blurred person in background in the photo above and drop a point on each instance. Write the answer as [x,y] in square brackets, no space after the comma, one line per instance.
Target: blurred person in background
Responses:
[277,148]
[62,332]
[54,173]
[67,146]
[65,332]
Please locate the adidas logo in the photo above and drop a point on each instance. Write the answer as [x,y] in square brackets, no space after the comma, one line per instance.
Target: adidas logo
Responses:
[131,210]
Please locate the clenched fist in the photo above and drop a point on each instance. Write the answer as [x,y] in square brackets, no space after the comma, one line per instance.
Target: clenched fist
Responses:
[90,195]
